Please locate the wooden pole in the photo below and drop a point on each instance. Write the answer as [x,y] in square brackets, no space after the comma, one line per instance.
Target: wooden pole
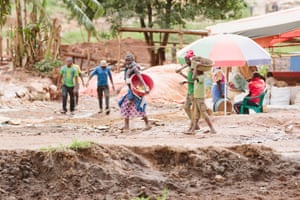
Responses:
[119,52]
[88,59]
[1,39]
[180,35]
[57,41]
[19,43]
[25,12]
[7,48]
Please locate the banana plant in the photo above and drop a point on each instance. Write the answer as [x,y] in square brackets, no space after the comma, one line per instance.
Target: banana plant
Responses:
[85,11]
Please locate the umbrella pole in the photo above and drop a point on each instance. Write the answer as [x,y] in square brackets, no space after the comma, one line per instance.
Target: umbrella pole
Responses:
[225,92]
[225,96]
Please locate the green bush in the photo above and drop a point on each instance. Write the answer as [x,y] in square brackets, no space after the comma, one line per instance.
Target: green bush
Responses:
[46,65]
[77,145]
[164,196]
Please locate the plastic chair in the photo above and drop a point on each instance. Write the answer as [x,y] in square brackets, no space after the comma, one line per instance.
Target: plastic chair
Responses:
[257,108]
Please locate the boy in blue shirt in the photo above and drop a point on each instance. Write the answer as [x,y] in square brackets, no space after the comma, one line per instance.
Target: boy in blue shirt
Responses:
[102,72]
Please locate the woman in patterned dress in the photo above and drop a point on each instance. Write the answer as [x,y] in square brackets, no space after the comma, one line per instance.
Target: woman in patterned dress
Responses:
[132,105]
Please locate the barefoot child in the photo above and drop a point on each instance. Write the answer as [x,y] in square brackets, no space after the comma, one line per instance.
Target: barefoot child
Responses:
[190,83]
[189,80]
[198,105]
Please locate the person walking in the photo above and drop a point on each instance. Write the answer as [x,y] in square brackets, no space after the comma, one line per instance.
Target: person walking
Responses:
[103,73]
[130,104]
[199,107]
[76,91]
[189,80]
[190,83]
[68,78]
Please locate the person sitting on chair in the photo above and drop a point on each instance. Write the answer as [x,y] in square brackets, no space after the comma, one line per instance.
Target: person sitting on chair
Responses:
[218,86]
[256,87]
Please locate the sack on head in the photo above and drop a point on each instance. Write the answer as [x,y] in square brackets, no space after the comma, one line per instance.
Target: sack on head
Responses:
[202,64]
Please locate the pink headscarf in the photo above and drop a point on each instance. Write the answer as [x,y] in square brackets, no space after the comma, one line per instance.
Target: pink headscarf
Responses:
[189,54]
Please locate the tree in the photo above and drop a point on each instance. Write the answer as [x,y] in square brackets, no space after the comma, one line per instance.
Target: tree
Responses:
[166,14]
[85,11]
[31,33]
[5,9]
[32,36]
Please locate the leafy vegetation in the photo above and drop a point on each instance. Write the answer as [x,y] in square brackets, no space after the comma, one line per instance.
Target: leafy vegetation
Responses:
[46,65]
[167,14]
[5,9]
[263,70]
[85,11]
[52,149]
[75,145]
[283,50]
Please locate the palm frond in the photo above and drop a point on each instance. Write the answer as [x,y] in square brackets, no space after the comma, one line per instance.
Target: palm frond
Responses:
[80,15]
[85,11]
[41,7]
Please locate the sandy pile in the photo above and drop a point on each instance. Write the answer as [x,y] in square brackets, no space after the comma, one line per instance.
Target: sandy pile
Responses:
[166,85]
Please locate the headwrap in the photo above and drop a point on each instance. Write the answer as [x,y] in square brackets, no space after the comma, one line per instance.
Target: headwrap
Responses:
[189,54]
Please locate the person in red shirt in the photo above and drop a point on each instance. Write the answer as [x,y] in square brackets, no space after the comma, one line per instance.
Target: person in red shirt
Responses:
[256,86]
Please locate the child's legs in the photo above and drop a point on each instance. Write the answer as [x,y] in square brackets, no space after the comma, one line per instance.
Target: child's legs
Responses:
[203,110]
[126,124]
[188,105]
[76,94]
[146,120]
[195,115]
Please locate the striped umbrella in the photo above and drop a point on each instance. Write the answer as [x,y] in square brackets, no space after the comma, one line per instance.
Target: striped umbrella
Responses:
[228,50]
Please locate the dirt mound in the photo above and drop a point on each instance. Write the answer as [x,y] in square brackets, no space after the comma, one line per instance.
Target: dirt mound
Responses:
[164,77]
[118,172]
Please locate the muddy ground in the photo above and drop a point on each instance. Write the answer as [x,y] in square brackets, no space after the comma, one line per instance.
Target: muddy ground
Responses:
[251,157]
[254,156]
[120,172]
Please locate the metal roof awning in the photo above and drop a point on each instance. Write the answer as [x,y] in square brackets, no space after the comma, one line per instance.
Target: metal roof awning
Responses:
[267,30]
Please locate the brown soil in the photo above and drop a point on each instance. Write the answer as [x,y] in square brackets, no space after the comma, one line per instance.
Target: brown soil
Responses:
[119,172]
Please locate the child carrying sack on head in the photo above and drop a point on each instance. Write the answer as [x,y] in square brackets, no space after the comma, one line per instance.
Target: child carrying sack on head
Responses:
[198,105]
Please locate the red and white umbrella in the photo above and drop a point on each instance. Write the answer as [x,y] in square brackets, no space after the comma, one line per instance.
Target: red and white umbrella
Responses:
[228,50]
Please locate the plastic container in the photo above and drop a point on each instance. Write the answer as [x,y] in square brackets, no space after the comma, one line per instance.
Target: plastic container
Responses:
[137,86]
[219,105]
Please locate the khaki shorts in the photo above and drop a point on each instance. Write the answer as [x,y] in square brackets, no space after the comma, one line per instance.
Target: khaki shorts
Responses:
[198,108]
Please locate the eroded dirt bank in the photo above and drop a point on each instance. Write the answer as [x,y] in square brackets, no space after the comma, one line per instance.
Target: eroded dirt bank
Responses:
[120,172]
